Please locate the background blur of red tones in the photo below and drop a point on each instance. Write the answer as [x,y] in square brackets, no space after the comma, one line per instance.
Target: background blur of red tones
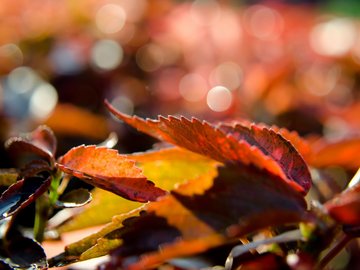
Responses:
[289,63]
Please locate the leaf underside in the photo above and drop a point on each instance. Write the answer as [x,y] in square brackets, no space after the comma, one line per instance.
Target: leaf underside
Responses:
[41,141]
[21,194]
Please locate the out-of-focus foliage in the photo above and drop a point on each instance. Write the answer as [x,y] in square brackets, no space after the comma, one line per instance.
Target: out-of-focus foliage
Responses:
[295,68]
[271,62]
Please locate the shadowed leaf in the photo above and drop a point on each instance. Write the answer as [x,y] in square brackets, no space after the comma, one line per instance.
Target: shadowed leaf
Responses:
[240,201]
[254,198]
[34,167]
[105,168]
[345,207]
[205,139]
[21,194]
[41,141]
[166,167]
[75,198]
[25,253]
[4,264]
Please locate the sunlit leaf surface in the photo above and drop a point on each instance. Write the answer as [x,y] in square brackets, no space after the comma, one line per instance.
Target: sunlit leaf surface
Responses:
[105,168]
[166,168]
[228,144]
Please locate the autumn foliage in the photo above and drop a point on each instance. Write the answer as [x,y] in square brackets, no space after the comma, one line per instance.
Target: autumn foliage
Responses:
[249,158]
[237,180]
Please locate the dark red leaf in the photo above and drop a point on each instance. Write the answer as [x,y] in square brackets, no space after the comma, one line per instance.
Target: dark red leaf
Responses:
[274,145]
[21,194]
[242,200]
[229,145]
[254,199]
[34,167]
[41,141]
[106,169]
[345,207]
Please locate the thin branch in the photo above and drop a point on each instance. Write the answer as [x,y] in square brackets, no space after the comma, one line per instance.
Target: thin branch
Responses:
[334,250]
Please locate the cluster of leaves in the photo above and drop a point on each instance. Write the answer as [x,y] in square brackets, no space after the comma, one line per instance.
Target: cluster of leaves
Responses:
[219,187]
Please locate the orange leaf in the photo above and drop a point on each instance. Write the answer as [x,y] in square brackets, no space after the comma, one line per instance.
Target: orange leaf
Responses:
[79,122]
[226,144]
[343,153]
[106,169]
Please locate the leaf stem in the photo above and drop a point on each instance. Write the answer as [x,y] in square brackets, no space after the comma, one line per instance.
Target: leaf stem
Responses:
[44,205]
[41,215]
[53,190]
[334,250]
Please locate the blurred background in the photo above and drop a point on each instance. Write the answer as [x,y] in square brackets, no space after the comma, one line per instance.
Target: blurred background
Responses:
[295,64]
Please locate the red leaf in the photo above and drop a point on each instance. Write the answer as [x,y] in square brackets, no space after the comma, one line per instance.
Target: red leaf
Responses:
[21,194]
[41,141]
[343,153]
[106,169]
[231,146]
[274,145]
[242,200]
[255,199]
[34,167]
[345,207]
